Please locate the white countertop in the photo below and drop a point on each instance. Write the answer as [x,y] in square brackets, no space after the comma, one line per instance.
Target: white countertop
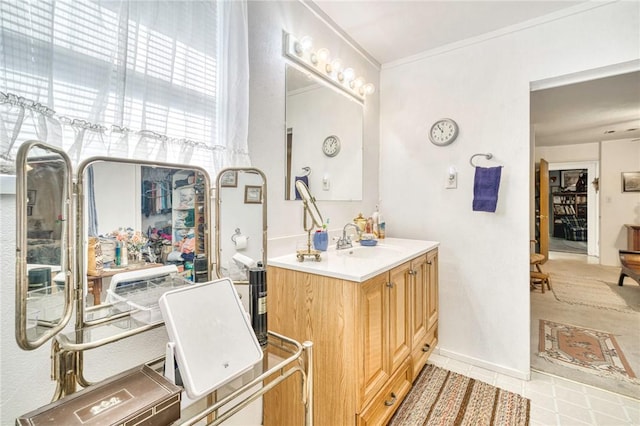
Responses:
[360,263]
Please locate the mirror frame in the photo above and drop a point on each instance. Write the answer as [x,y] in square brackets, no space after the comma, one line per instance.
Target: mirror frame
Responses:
[219,208]
[66,248]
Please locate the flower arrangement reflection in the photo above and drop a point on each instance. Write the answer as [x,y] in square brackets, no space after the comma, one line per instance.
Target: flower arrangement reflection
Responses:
[135,241]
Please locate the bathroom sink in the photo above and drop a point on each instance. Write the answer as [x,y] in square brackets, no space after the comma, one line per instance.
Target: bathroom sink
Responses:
[358,263]
[376,252]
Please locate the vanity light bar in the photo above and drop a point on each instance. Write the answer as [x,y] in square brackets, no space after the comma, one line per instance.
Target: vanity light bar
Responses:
[320,63]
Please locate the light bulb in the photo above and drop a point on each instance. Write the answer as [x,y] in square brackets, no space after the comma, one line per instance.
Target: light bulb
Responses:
[334,66]
[348,74]
[313,57]
[306,42]
[323,54]
[368,89]
[357,83]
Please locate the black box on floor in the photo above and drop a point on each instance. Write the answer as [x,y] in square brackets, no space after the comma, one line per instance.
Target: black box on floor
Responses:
[139,396]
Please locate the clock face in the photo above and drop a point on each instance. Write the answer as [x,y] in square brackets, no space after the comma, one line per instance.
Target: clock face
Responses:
[443,132]
[331,146]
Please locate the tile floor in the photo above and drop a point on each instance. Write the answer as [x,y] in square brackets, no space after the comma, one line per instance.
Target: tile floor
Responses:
[556,401]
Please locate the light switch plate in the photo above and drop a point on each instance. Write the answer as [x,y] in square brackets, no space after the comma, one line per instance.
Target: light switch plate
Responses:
[326,184]
[451,181]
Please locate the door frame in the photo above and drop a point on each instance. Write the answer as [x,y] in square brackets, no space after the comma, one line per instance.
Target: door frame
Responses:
[593,201]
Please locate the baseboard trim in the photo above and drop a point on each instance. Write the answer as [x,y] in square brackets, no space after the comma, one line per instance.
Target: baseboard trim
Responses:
[522,375]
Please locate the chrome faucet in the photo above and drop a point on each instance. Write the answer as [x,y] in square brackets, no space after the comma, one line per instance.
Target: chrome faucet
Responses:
[345,241]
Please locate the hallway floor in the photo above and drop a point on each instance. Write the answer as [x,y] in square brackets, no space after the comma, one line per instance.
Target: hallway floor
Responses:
[624,326]
[562,245]
[554,400]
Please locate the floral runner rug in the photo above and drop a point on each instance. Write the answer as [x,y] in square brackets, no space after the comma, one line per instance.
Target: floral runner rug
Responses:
[441,397]
[592,351]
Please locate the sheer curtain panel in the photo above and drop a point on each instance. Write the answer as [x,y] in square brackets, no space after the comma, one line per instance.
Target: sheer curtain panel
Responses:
[153,80]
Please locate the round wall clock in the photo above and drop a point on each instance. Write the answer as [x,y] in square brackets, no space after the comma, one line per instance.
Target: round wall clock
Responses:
[443,132]
[331,146]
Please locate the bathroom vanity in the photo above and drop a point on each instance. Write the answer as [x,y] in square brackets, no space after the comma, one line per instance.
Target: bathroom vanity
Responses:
[372,313]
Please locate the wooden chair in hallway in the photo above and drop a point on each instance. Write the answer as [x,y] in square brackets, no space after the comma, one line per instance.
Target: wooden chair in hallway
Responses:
[630,261]
[538,276]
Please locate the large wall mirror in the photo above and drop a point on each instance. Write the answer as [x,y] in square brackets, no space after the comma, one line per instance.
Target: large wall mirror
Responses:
[140,216]
[324,139]
[44,287]
[241,221]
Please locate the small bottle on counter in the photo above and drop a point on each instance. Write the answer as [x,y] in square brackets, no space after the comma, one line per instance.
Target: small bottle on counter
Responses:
[118,257]
[376,221]
[381,226]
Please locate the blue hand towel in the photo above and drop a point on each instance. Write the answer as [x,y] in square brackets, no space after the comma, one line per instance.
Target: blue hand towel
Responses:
[485,188]
[305,179]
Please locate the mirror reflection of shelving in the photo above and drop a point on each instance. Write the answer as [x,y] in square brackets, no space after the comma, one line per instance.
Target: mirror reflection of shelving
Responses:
[188,221]
[183,222]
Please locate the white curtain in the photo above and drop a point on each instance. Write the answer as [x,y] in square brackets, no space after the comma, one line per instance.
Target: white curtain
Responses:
[162,81]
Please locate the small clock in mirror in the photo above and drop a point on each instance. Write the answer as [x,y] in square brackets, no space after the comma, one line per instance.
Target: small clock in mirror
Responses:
[331,146]
[443,132]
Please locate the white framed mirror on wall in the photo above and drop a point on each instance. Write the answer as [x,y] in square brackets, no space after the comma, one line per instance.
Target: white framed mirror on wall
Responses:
[324,139]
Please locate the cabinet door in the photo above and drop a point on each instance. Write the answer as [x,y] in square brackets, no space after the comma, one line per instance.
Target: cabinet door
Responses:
[399,314]
[374,331]
[418,296]
[432,288]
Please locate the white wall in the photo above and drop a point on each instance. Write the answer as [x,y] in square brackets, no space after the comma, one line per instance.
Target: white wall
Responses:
[484,291]
[619,208]
[568,153]
[267,20]
[117,196]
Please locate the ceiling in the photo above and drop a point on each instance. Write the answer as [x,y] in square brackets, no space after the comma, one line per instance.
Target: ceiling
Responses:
[389,31]
[596,110]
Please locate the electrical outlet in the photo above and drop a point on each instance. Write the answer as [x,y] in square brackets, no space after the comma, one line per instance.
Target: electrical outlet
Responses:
[326,184]
[452,181]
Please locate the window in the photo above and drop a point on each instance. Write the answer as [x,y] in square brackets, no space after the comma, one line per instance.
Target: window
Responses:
[108,66]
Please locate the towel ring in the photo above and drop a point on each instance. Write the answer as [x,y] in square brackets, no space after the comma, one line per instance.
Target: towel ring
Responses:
[306,171]
[488,156]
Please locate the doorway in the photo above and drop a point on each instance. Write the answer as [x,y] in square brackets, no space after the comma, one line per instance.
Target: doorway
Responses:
[573,207]
[584,273]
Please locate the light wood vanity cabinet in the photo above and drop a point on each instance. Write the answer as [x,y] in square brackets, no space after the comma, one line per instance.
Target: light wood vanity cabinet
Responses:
[424,312]
[370,339]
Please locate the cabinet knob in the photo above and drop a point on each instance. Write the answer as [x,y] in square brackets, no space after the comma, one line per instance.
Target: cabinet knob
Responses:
[391,401]
[429,262]
[426,348]
[412,272]
[390,284]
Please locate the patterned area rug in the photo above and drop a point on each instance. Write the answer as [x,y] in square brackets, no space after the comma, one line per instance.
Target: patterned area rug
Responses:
[441,397]
[588,291]
[584,349]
